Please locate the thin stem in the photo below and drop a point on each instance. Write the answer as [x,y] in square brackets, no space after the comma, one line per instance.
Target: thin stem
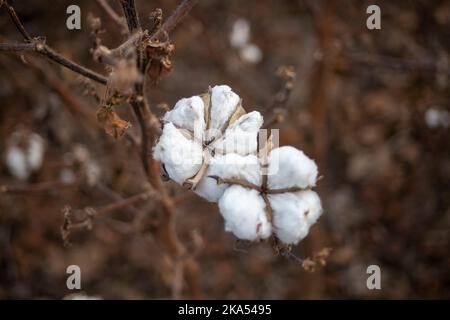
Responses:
[39,46]
[58,58]
[15,19]
[241,183]
[35,188]
[111,13]
[283,190]
[130,12]
[180,12]
[124,202]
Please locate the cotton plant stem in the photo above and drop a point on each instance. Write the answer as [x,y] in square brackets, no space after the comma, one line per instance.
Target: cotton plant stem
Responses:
[167,231]
[111,13]
[15,19]
[35,187]
[38,45]
[180,12]
[131,15]
[238,182]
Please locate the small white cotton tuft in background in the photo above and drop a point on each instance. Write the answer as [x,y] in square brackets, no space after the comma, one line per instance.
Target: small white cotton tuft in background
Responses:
[251,53]
[240,40]
[240,33]
[36,150]
[435,118]
[24,154]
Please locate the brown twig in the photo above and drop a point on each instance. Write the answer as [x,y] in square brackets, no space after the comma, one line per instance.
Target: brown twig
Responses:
[111,13]
[38,45]
[279,108]
[35,188]
[91,213]
[15,19]
[180,12]
[149,126]
[238,182]
[131,15]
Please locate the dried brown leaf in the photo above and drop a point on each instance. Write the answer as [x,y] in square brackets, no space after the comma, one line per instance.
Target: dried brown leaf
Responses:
[113,124]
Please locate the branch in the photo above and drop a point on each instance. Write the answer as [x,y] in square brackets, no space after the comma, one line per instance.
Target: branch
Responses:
[241,183]
[130,12]
[180,12]
[111,13]
[38,45]
[279,108]
[35,188]
[15,19]
[91,213]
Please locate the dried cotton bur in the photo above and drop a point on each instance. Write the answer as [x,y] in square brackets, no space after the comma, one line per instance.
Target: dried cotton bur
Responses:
[210,144]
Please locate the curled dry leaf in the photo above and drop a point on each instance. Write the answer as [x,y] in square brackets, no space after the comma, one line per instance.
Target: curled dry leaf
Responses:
[113,124]
[159,63]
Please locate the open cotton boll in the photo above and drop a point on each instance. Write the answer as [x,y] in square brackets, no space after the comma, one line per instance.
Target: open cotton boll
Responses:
[182,157]
[16,162]
[188,113]
[240,33]
[290,167]
[244,213]
[227,167]
[294,214]
[36,150]
[241,136]
[223,104]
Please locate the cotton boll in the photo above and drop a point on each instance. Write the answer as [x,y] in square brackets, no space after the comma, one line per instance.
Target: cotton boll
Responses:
[241,136]
[25,154]
[251,53]
[227,167]
[244,213]
[36,150]
[435,118]
[290,167]
[240,33]
[223,104]
[294,213]
[182,157]
[188,113]
[16,162]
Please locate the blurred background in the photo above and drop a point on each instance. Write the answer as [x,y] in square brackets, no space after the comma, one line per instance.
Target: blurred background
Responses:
[370,106]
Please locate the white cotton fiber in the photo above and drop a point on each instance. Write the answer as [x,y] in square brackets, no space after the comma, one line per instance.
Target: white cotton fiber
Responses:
[244,213]
[223,104]
[182,157]
[23,160]
[36,150]
[290,167]
[241,136]
[294,214]
[240,33]
[16,162]
[227,167]
[188,113]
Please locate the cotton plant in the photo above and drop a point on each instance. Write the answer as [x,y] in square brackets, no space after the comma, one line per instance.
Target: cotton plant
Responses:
[210,145]
[199,134]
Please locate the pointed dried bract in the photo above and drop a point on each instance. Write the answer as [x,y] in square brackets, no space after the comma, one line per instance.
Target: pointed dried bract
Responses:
[113,124]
